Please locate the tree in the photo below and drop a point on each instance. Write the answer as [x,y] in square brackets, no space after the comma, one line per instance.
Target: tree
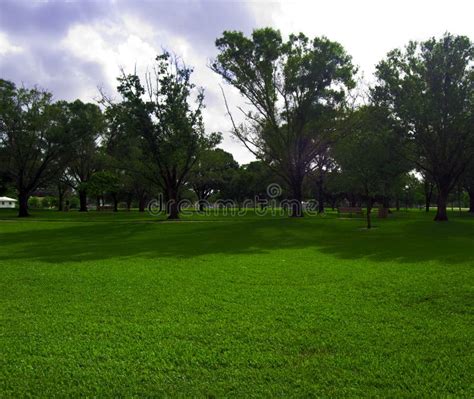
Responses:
[211,172]
[370,157]
[127,153]
[5,178]
[468,180]
[86,124]
[105,182]
[259,178]
[161,113]
[428,188]
[237,188]
[295,88]
[324,164]
[429,89]
[34,137]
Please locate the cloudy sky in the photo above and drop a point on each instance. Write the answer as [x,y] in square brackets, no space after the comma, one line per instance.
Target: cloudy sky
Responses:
[72,47]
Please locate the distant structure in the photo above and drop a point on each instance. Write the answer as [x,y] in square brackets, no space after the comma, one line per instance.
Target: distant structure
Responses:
[7,202]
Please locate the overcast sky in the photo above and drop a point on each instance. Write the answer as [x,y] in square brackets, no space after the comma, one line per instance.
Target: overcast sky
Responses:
[72,47]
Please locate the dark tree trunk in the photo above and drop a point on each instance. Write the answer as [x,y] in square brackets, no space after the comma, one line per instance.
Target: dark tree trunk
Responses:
[98,203]
[369,211]
[129,202]
[141,204]
[115,199]
[428,196]
[320,186]
[172,205]
[397,204]
[441,212]
[23,204]
[296,206]
[471,200]
[201,205]
[60,200]
[82,201]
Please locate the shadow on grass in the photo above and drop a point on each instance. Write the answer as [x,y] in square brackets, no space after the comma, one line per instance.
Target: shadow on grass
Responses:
[396,240]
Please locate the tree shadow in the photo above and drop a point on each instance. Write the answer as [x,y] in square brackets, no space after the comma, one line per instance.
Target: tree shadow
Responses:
[400,241]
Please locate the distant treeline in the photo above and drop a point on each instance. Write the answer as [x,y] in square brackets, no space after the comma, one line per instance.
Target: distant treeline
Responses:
[316,130]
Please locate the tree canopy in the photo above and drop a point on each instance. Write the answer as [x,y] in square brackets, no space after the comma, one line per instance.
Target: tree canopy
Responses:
[428,88]
[296,88]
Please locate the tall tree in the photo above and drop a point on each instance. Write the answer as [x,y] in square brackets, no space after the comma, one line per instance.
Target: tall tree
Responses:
[295,88]
[371,156]
[86,124]
[34,136]
[429,89]
[211,172]
[160,110]
[126,150]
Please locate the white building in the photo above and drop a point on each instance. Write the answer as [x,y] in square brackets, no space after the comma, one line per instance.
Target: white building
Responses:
[6,202]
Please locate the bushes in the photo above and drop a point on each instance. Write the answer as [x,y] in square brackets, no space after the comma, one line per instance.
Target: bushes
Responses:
[50,202]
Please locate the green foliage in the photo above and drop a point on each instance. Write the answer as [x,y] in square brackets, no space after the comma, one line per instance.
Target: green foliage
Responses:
[33,138]
[371,155]
[212,172]
[429,88]
[104,182]
[73,202]
[86,123]
[34,202]
[296,89]
[169,125]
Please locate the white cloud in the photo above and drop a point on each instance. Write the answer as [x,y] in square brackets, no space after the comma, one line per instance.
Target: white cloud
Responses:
[368,29]
[7,47]
[121,45]
[125,37]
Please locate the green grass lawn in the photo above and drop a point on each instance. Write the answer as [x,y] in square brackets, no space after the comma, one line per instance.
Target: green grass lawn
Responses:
[127,305]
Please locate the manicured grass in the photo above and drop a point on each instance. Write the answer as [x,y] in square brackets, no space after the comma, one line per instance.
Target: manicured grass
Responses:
[125,305]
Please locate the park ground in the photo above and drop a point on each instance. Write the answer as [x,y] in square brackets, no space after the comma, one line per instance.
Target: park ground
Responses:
[123,305]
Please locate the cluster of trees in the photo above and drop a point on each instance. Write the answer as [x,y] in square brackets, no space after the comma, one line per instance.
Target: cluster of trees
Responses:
[418,116]
[413,131]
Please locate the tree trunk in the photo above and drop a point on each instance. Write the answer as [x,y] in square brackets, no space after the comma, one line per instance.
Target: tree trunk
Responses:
[428,195]
[60,200]
[441,212]
[201,205]
[98,203]
[114,198]
[471,200]
[369,211]
[82,201]
[172,205]
[386,204]
[129,202]
[397,204]
[23,204]
[320,186]
[141,204]
[296,206]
